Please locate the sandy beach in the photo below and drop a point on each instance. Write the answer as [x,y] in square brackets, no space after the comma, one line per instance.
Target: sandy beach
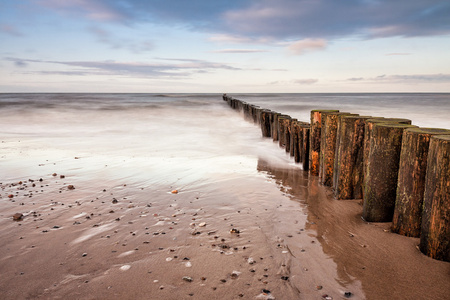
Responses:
[111,214]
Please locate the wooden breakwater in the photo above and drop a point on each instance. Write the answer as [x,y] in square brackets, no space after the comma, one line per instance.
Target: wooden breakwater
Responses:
[400,171]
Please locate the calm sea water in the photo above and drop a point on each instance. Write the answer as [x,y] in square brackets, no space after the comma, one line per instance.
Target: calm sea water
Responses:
[170,137]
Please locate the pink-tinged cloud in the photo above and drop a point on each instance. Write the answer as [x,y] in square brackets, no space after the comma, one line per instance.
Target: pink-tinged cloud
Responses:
[304,81]
[240,51]
[11,30]
[307,45]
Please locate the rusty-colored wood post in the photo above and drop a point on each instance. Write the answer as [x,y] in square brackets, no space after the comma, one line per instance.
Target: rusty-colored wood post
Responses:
[435,235]
[328,146]
[380,186]
[314,143]
[349,164]
[411,180]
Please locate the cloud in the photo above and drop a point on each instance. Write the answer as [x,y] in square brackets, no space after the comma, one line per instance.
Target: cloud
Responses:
[304,81]
[410,78]
[10,30]
[397,54]
[334,19]
[239,51]
[183,67]
[113,42]
[92,9]
[237,39]
[276,20]
[307,45]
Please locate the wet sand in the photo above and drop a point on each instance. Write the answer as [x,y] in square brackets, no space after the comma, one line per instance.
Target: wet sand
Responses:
[124,239]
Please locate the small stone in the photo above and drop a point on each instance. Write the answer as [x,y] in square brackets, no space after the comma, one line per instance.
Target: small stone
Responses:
[251,261]
[319,287]
[202,224]
[17,217]
[265,291]
[234,230]
[188,279]
[62,176]
[174,192]
[84,255]
[10,196]
[284,277]
[235,274]
[70,187]
[54,174]
[114,201]
[348,294]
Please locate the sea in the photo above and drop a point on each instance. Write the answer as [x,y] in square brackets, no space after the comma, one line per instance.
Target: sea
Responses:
[172,137]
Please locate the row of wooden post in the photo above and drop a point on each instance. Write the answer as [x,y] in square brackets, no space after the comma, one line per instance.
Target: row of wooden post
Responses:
[401,171]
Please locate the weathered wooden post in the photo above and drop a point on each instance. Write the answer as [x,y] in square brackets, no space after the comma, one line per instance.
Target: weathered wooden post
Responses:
[349,164]
[411,180]
[265,122]
[328,146]
[304,154]
[292,138]
[296,132]
[314,143]
[368,133]
[287,133]
[435,235]
[283,120]
[380,186]
[275,126]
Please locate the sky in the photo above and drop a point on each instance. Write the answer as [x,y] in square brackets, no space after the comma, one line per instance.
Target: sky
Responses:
[224,46]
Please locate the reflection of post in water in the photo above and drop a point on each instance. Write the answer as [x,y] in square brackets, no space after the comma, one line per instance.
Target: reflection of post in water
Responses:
[323,221]
[292,181]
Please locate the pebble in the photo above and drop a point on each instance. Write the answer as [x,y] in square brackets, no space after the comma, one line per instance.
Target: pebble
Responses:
[71,187]
[251,261]
[188,279]
[348,294]
[17,217]
[202,224]
[235,274]
[84,254]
